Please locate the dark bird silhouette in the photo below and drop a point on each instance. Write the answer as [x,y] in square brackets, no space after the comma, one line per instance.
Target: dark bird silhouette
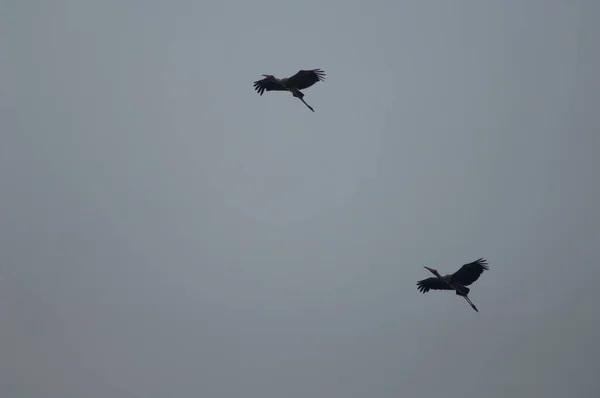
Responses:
[458,281]
[301,80]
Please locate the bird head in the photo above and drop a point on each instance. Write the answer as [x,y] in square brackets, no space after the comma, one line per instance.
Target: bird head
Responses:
[271,77]
[433,271]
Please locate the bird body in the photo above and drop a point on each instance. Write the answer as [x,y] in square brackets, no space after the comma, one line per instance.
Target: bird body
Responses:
[457,281]
[300,81]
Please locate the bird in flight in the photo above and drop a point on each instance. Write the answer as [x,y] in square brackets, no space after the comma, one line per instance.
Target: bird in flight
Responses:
[301,80]
[458,281]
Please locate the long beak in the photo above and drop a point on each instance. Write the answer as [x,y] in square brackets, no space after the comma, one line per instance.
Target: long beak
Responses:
[431,270]
[471,303]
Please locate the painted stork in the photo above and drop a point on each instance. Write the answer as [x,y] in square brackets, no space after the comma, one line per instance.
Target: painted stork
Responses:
[458,281]
[301,80]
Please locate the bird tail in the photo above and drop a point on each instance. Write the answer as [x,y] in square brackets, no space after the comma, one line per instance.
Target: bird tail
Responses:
[462,290]
[471,303]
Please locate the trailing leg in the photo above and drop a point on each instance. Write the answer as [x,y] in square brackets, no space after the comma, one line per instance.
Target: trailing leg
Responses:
[300,95]
[471,303]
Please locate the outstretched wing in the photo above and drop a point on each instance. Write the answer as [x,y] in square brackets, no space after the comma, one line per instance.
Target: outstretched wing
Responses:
[432,283]
[267,84]
[470,272]
[306,78]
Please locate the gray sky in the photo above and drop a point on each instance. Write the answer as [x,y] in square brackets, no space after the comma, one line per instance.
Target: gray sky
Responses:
[168,232]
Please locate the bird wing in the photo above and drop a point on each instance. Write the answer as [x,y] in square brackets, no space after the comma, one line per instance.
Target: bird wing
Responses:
[266,84]
[432,283]
[470,272]
[306,78]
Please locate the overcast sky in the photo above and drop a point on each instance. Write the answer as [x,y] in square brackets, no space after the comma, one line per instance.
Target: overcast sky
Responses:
[166,232]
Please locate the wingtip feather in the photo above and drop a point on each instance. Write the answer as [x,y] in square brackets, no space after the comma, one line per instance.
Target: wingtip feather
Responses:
[483,263]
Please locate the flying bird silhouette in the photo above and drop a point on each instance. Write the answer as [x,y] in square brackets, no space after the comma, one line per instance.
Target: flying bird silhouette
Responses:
[458,281]
[300,81]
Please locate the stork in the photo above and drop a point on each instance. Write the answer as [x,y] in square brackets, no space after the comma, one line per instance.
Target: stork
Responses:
[458,281]
[301,80]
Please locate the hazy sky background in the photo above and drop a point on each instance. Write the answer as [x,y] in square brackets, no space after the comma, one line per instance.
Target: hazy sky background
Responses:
[166,232]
